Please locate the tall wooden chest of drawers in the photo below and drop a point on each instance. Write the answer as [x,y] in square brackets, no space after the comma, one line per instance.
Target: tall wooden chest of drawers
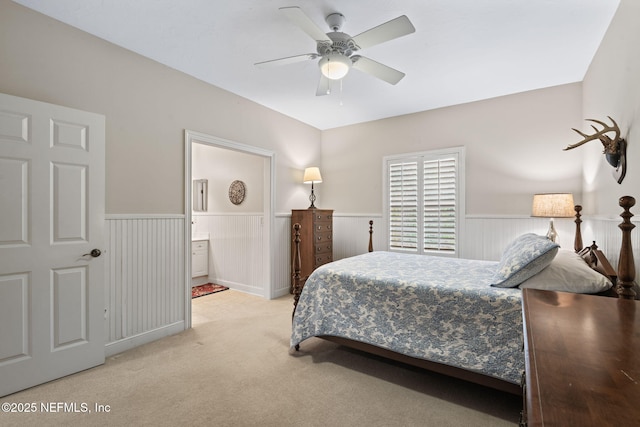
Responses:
[316,240]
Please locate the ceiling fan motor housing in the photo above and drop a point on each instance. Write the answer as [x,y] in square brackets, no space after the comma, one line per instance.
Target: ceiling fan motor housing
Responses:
[342,44]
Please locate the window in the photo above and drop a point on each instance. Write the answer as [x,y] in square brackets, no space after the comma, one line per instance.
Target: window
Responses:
[424,201]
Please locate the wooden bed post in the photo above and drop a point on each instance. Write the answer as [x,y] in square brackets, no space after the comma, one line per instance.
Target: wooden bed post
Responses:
[577,242]
[296,267]
[626,266]
[371,236]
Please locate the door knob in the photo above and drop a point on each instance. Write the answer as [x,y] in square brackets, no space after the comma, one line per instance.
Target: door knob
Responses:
[94,253]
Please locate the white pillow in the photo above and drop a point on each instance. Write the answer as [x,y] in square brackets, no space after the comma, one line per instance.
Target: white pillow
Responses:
[568,272]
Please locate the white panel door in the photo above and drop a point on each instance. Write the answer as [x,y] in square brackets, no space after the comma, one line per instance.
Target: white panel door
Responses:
[51,218]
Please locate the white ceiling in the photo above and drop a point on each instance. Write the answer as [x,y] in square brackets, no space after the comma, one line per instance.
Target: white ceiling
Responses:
[462,50]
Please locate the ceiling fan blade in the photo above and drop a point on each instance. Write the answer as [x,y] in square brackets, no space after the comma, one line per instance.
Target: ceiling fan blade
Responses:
[401,26]
[377,69]
[298,17]
[323,86]
[287,60]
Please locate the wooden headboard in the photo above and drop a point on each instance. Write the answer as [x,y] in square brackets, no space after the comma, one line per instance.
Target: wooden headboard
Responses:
[623,277]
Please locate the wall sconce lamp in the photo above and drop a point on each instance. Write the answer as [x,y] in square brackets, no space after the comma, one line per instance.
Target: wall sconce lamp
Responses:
[552,205]
[312,175]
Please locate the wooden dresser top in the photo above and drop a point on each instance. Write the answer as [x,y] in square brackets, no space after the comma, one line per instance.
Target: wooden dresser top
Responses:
[583,359]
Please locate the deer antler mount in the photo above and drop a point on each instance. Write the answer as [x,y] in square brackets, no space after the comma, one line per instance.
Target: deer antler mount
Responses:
[615,149]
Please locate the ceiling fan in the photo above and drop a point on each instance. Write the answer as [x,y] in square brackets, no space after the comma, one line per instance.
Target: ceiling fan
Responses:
[336,49]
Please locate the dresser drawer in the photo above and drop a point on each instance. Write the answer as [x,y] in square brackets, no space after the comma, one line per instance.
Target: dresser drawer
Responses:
[323,216]
[323,237]
[200,245]
[322,227]
[323,259]
[323,247]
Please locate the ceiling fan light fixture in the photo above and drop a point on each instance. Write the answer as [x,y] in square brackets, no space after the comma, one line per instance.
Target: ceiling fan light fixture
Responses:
[334,66]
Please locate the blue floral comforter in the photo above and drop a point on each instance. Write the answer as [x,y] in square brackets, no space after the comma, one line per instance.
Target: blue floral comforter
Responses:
[434,308]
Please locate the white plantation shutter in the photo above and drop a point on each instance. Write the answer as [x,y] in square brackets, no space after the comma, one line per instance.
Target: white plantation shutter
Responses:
[423,201]
[440,204]
[403,204]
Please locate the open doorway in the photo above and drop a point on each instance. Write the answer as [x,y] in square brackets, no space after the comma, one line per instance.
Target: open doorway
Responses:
[262,218]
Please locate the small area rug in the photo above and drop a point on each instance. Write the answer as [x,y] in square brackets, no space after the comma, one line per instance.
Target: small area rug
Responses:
[209,288]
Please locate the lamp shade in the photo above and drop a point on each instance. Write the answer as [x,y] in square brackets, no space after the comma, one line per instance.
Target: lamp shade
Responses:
[553,205]
[335,66]
[312,175]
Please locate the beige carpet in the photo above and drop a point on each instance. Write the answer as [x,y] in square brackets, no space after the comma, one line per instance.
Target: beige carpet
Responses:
[235,368]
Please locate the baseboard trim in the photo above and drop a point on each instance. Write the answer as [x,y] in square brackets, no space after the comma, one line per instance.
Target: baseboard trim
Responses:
[128,343]
[247,289]
[281,292]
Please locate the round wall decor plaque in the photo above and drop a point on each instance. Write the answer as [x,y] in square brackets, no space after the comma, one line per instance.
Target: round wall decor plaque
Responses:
[237,191]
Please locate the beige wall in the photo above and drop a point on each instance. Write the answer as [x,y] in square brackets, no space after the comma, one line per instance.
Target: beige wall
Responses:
[147,107]
[612,88]
[513,150]
[221,167]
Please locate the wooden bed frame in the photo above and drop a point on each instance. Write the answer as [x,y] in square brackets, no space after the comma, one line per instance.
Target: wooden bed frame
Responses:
[623,281]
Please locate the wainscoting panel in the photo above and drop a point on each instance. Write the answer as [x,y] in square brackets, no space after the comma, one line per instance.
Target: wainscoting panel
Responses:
[485,237]
[236,255]
[351,235]
[609,238]
[144,276]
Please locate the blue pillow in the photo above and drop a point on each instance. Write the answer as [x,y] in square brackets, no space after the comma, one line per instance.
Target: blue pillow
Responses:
[525,256]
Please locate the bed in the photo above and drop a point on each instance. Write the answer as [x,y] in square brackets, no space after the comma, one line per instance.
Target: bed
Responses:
[447,315]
